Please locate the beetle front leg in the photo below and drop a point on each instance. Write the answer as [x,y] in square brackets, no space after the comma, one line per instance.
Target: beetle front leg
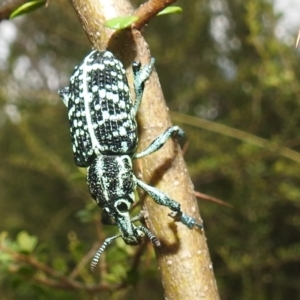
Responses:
[162,199]
[140,76]
[64,95]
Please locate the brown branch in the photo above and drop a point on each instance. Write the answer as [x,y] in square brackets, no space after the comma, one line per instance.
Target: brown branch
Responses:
[149,10]
[54,278]
[184,260]
[201,195]
[212,199]
[84,261]
[138,255]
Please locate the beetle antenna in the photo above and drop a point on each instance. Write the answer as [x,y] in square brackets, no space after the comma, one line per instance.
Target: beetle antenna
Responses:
[100,250]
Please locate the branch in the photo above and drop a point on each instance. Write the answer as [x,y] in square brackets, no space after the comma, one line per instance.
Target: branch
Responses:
[54,278]
[184,260]
[149,10]
[237,134]
[212,199]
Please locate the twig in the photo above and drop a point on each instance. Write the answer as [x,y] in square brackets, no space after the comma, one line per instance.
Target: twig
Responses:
[61,281]
[148,10]
[210,198]
[237,134]
[84,261]
[137,256]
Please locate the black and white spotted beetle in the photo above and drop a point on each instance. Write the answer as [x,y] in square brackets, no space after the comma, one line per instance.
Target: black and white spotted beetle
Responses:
[104,138]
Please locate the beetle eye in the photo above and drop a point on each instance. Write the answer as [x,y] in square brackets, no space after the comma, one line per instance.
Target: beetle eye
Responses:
[122,206]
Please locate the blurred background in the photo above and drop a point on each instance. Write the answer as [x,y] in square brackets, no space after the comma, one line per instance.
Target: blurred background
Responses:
[230,75]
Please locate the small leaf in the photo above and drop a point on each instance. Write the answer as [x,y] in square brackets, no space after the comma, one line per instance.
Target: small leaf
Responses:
[26,242]
[120,22]
[170,10]
[5,257]
[60,264]
[27,7]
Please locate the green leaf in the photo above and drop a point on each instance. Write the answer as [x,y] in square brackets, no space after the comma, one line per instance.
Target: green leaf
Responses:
[27,7]
[120,22]
[5,257]
[26,242]
[170,10]
[60,264]
[124,22]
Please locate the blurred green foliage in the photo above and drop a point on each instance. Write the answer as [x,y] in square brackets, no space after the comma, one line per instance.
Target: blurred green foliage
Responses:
[219,61]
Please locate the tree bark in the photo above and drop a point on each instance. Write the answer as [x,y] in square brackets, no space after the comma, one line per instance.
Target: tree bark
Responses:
[184,260]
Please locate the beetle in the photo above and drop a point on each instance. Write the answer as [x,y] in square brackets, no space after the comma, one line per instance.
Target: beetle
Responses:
[103,129]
